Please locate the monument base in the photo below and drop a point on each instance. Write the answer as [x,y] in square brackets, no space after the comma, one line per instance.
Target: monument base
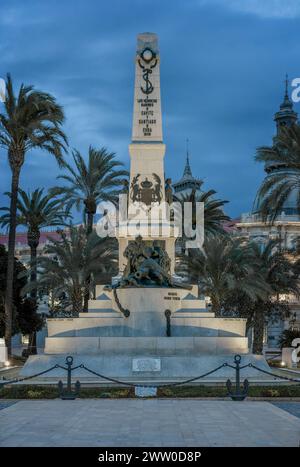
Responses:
[145,368]
[149,345]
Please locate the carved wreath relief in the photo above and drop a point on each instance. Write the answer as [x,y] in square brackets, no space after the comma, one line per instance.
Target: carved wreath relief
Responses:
[148,57]
[147,62]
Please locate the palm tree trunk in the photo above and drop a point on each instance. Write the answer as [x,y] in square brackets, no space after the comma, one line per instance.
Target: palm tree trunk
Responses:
[77,302]
[89,230]
[258,332]
[11,258]
[90,222]
[215,305]
[33,243]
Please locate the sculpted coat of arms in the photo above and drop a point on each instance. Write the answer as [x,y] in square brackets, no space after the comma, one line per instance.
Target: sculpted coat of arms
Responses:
[147,190]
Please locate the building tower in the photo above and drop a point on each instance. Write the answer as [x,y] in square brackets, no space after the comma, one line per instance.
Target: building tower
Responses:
[187,182]
[285,117]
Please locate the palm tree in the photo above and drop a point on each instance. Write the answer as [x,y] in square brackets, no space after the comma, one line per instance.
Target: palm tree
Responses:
[35,211]
[213,210]
[225,267]
[287,337]
[69,261]
[284,157]
[31,119]
[281,278]
[90,183]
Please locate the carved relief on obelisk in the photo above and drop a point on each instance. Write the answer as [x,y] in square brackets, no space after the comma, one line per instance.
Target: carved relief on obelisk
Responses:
[147,106]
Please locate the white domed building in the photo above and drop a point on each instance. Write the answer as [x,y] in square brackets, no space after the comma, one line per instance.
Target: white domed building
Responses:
[286,227]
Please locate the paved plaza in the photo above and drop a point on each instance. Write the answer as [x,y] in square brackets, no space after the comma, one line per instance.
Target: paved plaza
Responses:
[157,422]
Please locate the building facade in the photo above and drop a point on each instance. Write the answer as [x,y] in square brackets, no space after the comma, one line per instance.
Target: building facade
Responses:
[286,227]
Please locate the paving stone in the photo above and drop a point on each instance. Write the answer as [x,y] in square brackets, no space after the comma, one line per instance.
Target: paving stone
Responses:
[178,422]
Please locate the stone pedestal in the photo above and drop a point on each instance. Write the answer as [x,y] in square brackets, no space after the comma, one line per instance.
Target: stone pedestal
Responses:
[137,348]
[286,357]
[3,352]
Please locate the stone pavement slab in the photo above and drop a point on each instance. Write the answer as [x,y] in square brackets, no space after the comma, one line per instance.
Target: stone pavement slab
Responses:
[291,407]
[5,404]
[154,422]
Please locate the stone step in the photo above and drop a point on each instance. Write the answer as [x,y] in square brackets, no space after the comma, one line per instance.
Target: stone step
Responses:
[173,367]
[143,345]
[100,305]
[193,302]
[193,313]
[100,291]
[101,313]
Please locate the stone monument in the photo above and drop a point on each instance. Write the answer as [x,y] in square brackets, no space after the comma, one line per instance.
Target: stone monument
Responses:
[3,353]
[147,325]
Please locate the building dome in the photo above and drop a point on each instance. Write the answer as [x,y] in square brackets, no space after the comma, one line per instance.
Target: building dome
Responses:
[285,117]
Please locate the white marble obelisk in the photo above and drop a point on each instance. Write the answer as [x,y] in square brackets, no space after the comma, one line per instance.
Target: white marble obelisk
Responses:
[147,149]
[147,180]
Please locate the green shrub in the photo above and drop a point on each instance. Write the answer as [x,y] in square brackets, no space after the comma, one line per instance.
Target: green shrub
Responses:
[270,393]
[288,336]
[51,392]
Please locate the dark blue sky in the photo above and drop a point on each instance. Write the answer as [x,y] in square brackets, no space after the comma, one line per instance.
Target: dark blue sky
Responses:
[223,64]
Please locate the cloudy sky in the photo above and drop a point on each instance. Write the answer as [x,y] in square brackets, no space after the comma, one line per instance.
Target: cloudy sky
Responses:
[223,64]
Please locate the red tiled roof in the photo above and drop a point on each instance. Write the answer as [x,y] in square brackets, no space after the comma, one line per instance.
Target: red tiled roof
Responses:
[230,226]
[21,238]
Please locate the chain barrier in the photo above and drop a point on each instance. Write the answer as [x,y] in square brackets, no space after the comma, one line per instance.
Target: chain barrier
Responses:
[19,380]
[272,374]
[123,310]
[152,385]
[237,392]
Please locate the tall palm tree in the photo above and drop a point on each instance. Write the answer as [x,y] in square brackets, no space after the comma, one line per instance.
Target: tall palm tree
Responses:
[222,268]
[284,179]
[71,259]
[90,183]
[31,119]
[35,211]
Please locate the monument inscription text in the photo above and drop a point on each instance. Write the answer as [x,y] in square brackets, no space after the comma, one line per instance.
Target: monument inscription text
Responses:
[146,364]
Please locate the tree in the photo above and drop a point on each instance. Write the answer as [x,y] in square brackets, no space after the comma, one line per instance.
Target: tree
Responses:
[287,337]
[31,119]
[35,211]
[281,277]
[224,267]
[89,184]
[280,183]
[18,284]
[25,319]
[71,259]
[213,210]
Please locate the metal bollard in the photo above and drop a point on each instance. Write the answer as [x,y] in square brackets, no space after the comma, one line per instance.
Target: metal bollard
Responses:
[168,322]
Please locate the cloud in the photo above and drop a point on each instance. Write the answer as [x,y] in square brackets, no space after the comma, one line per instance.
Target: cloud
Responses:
[222,72]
